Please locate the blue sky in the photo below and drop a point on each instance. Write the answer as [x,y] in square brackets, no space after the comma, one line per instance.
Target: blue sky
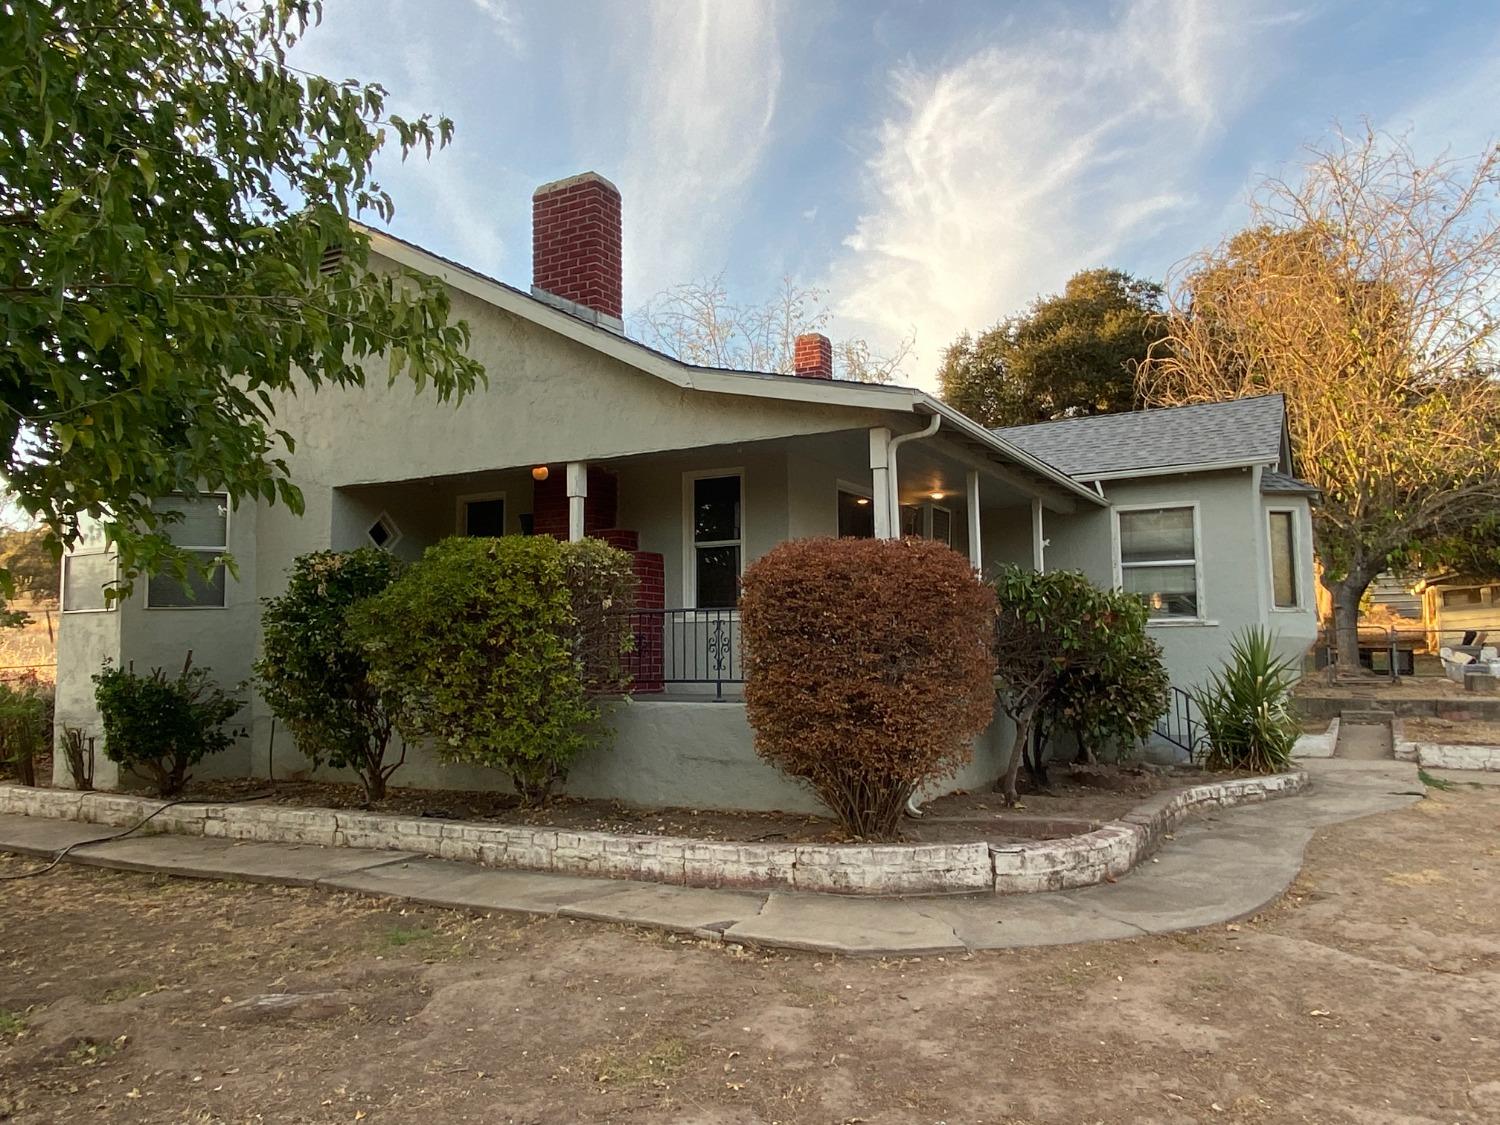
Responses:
[933,165]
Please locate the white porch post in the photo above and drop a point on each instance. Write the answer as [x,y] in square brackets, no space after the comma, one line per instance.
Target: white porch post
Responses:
[578,489]
[880,484]
[974,556]
[1038,544]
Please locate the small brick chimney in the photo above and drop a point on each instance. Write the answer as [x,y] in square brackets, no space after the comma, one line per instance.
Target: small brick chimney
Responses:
[575,244]
[813,358]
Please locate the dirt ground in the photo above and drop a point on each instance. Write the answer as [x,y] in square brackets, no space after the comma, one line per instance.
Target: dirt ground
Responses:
[1468,733]
[1076,800]
[1371,994]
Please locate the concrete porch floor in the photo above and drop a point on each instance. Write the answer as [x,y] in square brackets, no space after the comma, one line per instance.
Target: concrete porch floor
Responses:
[1219,867]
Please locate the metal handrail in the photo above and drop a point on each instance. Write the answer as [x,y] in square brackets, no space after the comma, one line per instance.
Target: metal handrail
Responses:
[685,646]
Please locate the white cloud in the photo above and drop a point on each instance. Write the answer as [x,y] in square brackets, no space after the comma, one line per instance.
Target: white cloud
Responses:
[995,179]
[701,88]
[503,19]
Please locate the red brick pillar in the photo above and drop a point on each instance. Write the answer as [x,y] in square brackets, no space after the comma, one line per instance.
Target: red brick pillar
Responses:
[650,593]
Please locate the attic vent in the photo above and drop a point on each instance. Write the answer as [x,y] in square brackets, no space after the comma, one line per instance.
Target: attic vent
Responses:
[333,260]
[384,533]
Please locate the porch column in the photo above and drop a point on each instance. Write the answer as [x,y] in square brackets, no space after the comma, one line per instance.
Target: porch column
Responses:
[1038,544]
[880,484]
[974,557]
[578,489]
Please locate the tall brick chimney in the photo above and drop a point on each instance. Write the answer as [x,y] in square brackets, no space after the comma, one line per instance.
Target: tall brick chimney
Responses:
[813,357]
[575,244]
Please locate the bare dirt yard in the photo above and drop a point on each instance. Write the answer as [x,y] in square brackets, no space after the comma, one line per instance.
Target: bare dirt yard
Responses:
[1075,800]
[1371,994]
[1469,733]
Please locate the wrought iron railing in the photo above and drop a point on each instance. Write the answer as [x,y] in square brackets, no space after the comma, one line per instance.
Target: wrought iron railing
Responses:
[1411,650]
[1182,724]
[685,647]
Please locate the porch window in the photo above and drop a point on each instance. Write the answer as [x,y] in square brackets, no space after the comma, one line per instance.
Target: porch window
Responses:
[1459,599]
[202,531]
[84,576]
[1159,560]
[481,515]
[942,525]
[1283,560]
[718,540]
[856,516]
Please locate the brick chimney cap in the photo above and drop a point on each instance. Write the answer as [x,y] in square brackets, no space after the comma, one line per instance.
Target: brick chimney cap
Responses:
[570,181]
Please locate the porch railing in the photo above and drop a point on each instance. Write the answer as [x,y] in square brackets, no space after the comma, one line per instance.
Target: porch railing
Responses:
[1182,724]
[685,647]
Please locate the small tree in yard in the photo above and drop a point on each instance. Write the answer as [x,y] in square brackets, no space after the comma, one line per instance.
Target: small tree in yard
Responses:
[482,645]
[25,724]
[868,669]
[1065,646]
[312,674]
[159,728]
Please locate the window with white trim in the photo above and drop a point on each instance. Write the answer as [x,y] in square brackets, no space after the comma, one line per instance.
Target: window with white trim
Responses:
[1283,541]
[85,574]
[717,532]
[856,515]
[202,530]
[1159,560]
[482,515]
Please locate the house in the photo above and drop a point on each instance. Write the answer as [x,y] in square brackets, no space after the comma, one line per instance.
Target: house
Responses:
[698,471]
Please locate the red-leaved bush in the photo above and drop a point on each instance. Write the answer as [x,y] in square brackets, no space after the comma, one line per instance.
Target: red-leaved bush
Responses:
[868,669]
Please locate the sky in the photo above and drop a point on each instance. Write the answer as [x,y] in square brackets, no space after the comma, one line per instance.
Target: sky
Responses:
[932,166]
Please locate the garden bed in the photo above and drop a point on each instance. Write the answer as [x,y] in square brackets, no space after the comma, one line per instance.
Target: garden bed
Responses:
[1076,802]
[1471,733]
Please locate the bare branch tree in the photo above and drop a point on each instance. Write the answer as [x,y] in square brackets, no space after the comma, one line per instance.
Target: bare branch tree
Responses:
[1367,290]
[698,323]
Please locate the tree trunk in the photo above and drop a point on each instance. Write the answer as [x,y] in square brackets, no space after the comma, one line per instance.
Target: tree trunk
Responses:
[1346,594]
[1007,782]
[374,781]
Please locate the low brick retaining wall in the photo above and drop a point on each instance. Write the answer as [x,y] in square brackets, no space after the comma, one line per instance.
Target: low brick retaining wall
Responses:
[1443,755]
[1047,865]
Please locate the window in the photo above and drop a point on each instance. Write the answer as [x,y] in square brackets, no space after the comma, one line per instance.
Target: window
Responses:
[482,515]
[1283,538]
[203,531]
[942,525]
[856,516]
[383,533]
[1458,599]
[84,576]
[1159,560]
[927,521]
[715,506]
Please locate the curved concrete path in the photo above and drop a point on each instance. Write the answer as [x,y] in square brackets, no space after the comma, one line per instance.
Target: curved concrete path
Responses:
[1218,867]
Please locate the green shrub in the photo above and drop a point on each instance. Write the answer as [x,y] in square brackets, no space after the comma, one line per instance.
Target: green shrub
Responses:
[867,669]
[25,724]
[601,591]
[1069,650]
[479,646]
[1247,708]
[158,728]
[313,676]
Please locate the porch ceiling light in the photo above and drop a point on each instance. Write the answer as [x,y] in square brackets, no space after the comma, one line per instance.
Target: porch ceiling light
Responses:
[861,500]
[936,495]
[539,473]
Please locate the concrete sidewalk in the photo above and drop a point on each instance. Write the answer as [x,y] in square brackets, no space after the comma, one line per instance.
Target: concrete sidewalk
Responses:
[1218,867]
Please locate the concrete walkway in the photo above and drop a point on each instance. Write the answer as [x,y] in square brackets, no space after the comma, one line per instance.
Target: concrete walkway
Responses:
[1218,867]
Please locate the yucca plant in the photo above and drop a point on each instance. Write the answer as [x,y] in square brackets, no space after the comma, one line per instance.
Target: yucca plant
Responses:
[1247,708]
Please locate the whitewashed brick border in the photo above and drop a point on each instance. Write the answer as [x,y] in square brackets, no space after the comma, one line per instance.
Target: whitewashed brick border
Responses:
[1443,755]
[1318,745]
[1047,865]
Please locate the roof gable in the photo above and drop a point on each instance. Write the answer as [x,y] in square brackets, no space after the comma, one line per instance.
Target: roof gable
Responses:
[1245,431]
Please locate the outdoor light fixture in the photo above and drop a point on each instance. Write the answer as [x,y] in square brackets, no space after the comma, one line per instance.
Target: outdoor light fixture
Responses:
[861,500]
[539,473]
[936,495]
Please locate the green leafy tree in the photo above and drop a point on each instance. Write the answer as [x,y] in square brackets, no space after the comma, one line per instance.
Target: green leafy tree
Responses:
[1058,638]
[1068,355]
[158,728]
[178,247]
[478,646]
[312,674]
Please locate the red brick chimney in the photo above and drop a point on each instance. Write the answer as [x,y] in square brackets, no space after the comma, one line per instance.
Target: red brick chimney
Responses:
[575,242]
[813,358]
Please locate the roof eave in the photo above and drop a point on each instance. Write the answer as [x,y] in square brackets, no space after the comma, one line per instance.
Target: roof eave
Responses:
[1175,470]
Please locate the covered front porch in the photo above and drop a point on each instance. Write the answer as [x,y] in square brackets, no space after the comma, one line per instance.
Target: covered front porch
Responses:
[694,518]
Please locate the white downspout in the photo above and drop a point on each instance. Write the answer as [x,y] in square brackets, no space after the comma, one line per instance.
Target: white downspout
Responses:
[893,499]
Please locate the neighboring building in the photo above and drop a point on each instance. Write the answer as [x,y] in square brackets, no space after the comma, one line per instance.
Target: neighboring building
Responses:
[698,471]
[1459,610]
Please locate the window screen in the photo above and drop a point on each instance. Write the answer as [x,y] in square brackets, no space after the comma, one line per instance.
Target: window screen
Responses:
[1158,560]
[203,531]
[1283,561]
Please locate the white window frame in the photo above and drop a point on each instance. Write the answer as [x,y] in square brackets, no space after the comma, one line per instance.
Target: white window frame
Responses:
[1201,618]
[839,486]
[1299,603]
[222,551]
[690,546]
[62,580]
[461,510]
[928,507]
[389,546]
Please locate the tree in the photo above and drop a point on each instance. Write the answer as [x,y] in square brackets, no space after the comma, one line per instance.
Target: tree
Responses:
[313,675]
[1067,355]
[1365,292]
[698,323]
[1059,639]
[178,246]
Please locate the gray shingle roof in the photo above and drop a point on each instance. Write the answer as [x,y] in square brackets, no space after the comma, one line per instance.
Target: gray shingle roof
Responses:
[1241,430]
[1282,484]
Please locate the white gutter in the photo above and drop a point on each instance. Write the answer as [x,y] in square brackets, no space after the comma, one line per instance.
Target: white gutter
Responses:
[893,478]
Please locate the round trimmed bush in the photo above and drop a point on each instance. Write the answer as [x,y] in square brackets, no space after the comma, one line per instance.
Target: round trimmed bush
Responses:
[868,669]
